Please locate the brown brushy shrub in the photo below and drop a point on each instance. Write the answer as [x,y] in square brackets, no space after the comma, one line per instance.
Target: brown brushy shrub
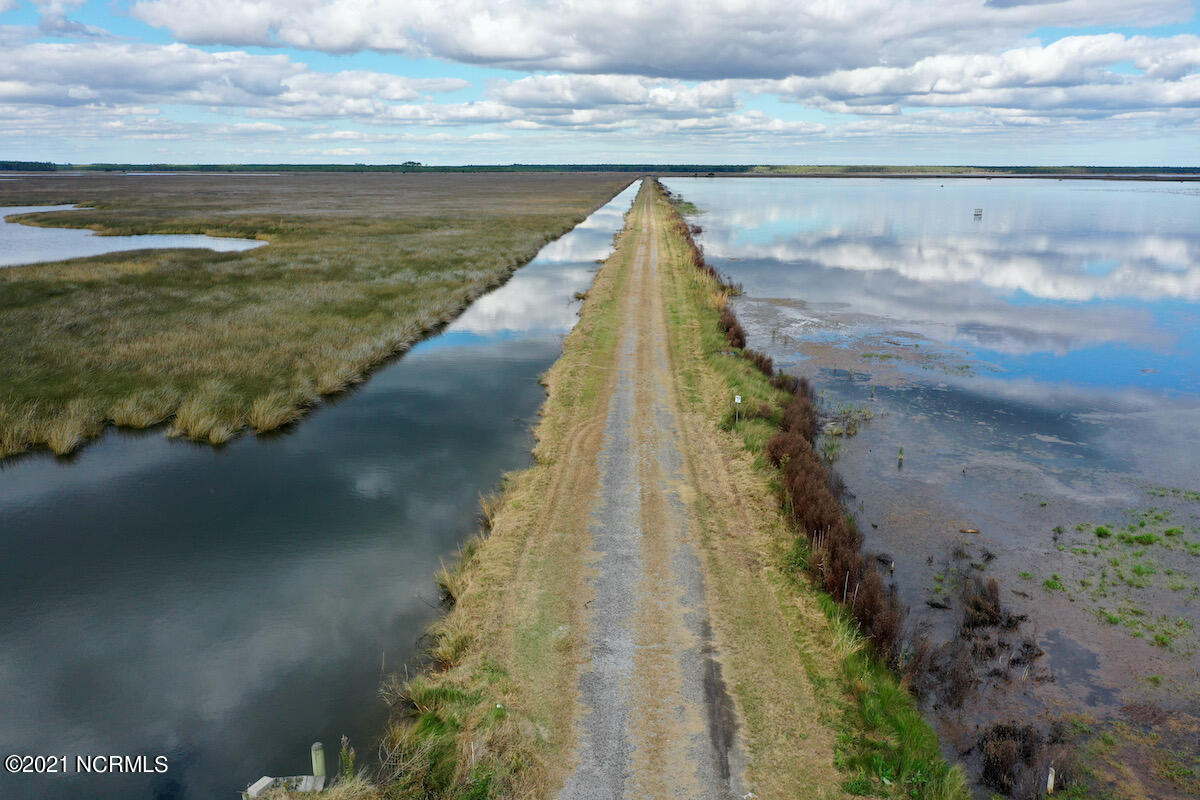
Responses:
[785,382]
[920,664]
[982,607]
[957,672]
[737,336]
[733,329]
[762,361]
[1014,760]
[837,564]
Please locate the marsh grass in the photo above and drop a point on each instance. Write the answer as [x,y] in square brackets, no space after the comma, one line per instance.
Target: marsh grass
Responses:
[359,267]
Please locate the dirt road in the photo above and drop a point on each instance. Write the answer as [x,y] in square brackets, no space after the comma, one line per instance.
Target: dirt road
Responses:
[657,719]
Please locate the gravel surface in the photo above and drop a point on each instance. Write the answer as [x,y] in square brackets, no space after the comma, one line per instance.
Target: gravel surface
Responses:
[657,721]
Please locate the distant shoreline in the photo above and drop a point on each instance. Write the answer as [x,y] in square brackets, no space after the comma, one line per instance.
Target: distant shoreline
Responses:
[1061,172]
[1094,176]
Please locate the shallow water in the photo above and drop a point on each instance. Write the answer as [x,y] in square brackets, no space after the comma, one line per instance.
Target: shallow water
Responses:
[228,606]
[1039,366]
[28,244]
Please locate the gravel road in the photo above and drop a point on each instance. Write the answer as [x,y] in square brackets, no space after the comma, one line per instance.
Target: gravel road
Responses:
[657,720]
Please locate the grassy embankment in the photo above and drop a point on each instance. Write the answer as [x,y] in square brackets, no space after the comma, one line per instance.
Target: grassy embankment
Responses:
[493,716]
[359,268]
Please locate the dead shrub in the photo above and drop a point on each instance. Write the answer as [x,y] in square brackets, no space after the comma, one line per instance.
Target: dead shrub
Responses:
[982,607]
[762,361]
[1014,760]
[812,493]
[785,382]
[957,672]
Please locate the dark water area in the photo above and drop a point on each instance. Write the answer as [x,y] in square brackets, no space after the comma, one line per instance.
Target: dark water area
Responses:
[226,607]
[1017,378]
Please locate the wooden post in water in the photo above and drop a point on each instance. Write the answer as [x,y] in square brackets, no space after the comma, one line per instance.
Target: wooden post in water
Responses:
[318,760]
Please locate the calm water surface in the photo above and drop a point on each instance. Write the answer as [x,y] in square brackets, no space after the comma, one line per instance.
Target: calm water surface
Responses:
[26,244]
[227,607]
[1039,364]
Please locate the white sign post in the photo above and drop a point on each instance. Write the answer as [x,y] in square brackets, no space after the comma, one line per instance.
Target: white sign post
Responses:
[737,405]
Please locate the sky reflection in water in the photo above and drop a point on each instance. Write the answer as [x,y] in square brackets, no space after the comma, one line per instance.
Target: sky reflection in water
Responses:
[29,244]
[1083,282]
[1039,366]
[226,607]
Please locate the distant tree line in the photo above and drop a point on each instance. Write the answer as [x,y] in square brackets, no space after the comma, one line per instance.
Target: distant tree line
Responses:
[655,169]
[27,166]
[414,166]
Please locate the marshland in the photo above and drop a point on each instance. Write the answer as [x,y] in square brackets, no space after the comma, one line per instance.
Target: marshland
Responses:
[1010,399]
[959,476]
[228,605]
[359,268]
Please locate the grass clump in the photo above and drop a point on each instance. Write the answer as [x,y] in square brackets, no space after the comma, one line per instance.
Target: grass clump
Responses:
[1054,583]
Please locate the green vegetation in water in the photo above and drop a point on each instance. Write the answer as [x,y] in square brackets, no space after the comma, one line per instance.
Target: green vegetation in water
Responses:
[831,448]
[1054,583]
[685,207]
[846,419]
[1130,570]
[1170,491]
[358,269]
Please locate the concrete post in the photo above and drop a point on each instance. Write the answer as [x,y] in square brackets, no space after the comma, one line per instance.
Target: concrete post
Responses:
[318,760]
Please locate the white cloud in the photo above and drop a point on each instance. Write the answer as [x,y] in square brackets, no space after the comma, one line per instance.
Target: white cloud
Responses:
[118,73]
[672,38]
[1072,76]
[549,93]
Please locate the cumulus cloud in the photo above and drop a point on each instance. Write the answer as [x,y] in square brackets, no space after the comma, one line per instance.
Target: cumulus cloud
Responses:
[673,38]
[666,73]
[122,73]
[549,93]
[1073,75]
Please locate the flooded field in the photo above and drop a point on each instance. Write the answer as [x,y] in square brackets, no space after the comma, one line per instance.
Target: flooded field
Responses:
[27,244]
[1010,379]
[228,606]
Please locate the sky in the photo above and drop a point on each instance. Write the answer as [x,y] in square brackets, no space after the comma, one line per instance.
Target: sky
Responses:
[1108,82]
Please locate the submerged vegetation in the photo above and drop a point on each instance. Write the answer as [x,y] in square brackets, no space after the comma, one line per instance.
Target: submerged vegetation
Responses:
[358,269]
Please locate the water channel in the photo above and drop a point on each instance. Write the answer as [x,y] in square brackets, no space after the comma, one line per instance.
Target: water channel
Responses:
[228,606]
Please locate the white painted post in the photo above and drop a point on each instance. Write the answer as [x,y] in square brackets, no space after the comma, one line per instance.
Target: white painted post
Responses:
[737,405]
[1050,781]
[318,760]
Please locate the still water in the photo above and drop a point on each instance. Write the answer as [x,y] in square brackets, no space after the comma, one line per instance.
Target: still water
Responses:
[226,607]
[1037,364]
[26,244]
